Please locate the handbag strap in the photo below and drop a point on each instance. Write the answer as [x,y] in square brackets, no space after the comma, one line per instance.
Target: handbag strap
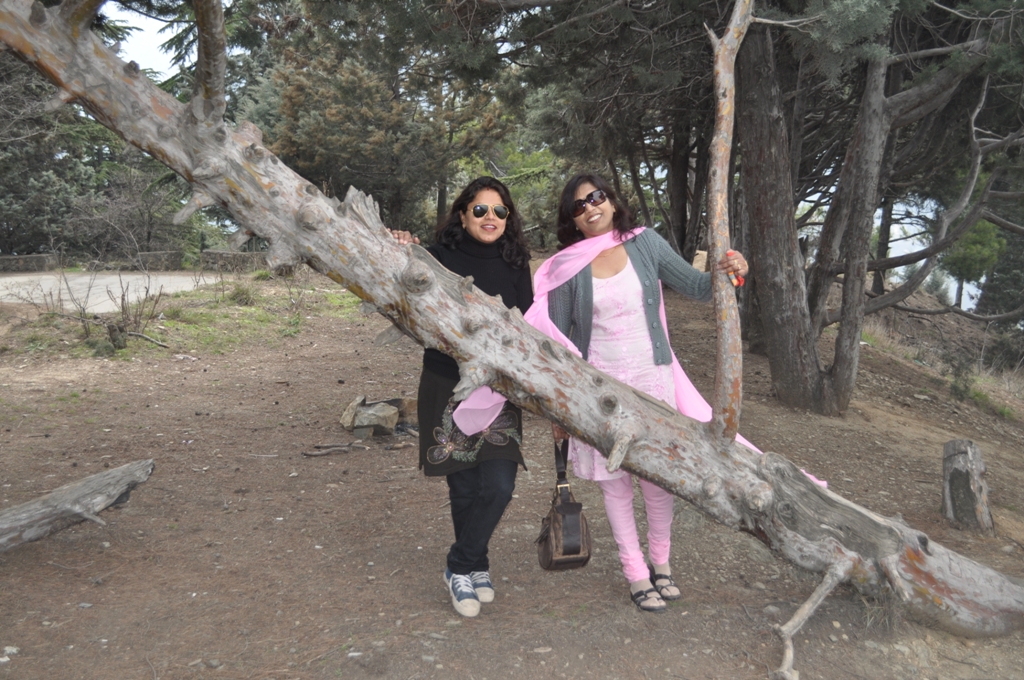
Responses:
[561,483]
[572,535]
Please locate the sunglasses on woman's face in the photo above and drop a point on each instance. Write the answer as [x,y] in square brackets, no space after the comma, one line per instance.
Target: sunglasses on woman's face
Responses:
[480,210]
[594,198]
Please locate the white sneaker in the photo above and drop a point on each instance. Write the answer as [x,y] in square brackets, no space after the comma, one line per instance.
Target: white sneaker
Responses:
[482,585]
[464,597]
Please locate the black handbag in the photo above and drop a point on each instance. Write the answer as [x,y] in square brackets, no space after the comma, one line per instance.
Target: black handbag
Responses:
[564,541]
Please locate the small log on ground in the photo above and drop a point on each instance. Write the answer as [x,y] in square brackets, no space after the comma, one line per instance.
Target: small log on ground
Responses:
[70,504]
[964,490]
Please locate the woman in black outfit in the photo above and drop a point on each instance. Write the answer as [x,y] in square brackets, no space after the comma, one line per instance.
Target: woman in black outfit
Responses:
[482,237]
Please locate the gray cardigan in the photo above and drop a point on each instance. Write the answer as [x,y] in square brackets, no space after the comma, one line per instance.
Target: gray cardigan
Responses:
[571,305]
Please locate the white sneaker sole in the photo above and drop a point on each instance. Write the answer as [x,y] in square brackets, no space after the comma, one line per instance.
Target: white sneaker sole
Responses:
[467,608]
[485,595]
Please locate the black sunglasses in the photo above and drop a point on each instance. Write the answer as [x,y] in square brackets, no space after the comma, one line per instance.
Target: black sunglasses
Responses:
[594,198]
[480,209]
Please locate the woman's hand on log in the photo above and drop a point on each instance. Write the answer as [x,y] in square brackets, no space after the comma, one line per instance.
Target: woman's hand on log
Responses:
[404,237]
[735,266]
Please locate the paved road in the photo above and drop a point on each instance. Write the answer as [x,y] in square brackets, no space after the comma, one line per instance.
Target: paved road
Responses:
[90,288]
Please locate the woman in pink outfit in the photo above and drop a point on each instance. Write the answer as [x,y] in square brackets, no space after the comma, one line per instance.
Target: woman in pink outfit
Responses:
[605,298]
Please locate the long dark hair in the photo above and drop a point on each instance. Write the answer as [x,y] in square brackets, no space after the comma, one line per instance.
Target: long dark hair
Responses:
[512,242]
[567,231]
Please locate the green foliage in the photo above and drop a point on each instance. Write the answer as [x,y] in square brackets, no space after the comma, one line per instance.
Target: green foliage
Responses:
[983,401]
[69,185]
[45,174]
[1003,289]
[101,347]
[360,96]
[974,254]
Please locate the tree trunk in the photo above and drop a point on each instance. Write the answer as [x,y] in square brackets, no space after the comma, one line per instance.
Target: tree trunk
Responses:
[638,188]
[670,233]
[70,504]
[845,235]
[614,172]
[776,262]
[764,495]
[442,199]
[678,179]
[882,251]
[693,226]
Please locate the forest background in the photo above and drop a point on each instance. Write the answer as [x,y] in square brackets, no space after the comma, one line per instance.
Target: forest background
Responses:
[860,124]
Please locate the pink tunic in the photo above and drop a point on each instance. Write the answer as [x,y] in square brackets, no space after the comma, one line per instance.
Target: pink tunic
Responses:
[620,345]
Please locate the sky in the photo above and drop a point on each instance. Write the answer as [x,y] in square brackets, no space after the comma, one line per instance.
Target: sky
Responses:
[143,47]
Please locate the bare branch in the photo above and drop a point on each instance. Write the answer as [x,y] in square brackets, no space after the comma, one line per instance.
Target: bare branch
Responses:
[935,52]
[913,104]
[576,18]
[995,16]
[1002,222]
[937,246]
[797,24]
[945,219]
[1008,316]
[993,145]
[146,337]
[513,5]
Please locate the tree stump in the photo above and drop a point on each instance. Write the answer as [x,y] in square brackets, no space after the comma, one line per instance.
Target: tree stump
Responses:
[118,335]
[964,491]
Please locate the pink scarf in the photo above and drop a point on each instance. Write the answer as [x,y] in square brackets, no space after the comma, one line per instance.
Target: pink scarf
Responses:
[480,409]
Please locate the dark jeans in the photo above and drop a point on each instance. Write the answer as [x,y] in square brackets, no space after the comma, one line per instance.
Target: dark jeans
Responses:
[479,496]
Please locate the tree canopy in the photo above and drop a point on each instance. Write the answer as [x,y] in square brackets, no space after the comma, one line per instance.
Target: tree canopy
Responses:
[871,117]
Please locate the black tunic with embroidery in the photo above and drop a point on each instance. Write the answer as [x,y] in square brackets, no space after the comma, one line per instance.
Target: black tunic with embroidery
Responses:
[443,448]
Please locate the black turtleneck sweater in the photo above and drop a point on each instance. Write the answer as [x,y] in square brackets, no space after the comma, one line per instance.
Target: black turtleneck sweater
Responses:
[491,274]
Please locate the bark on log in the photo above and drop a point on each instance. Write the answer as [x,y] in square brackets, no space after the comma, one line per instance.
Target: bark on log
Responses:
[964,490]
[70,504]
[764,495]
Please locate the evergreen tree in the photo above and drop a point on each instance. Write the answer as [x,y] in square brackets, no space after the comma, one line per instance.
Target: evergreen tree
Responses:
[973,256]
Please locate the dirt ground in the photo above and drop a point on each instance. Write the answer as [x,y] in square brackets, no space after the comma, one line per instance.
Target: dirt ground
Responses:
[241,558]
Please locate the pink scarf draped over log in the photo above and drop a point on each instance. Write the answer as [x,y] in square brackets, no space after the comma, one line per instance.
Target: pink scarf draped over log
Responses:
[483,405]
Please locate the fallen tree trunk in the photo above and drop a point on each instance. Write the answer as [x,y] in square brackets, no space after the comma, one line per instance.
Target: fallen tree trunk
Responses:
[70,504]
[764,495]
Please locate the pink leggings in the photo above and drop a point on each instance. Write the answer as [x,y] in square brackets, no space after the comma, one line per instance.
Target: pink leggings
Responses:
[618,503]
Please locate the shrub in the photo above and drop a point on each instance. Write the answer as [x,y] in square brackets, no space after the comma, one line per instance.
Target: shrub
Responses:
[243,295]
[960,367]
[101,347]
